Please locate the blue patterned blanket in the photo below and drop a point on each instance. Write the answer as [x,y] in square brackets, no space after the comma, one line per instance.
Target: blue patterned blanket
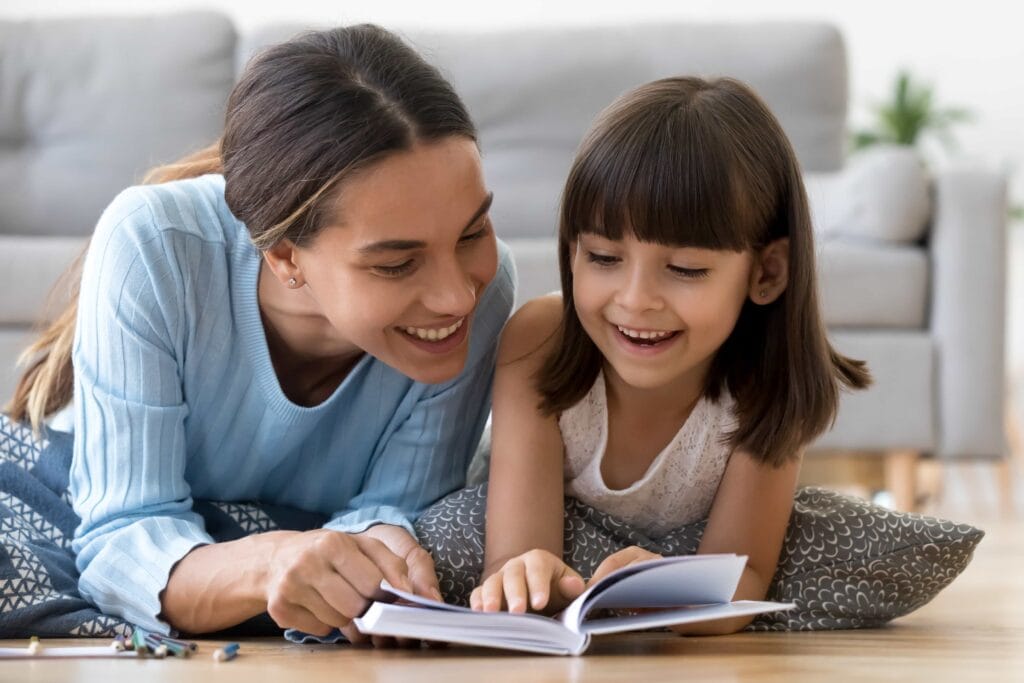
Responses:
[38,579]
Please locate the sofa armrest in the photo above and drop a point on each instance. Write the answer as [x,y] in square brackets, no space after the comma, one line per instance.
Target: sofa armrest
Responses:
[968,310]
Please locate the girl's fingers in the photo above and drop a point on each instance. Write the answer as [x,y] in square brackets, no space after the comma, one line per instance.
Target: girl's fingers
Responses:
[514,584]
[607,566]
[475,601]
[620,559]
[492,593]
[612,563]
[538,583]
[570,584]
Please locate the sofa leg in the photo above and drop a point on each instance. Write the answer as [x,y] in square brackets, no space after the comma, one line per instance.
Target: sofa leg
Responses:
[901,478]
[1007,467]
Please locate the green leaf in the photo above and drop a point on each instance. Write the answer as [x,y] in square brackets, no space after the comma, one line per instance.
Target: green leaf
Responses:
[911,113]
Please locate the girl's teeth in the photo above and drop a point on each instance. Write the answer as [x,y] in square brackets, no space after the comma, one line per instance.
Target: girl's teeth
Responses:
[434,334]
[637,334]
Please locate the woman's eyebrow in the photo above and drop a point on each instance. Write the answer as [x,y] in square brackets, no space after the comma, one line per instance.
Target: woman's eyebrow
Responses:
[406,245]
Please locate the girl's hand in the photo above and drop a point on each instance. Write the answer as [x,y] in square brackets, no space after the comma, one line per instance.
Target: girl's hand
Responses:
[620,559]
[536,579]
[322,579]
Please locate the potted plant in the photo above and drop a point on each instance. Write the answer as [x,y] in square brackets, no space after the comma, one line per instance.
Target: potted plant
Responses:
[911,114]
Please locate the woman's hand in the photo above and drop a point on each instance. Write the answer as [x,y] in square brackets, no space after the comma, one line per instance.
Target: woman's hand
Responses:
[322,579]
[536,579]
[620,559]
[417,559]
[421,574]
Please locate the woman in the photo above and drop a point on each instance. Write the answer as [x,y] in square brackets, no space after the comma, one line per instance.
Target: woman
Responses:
[311,323]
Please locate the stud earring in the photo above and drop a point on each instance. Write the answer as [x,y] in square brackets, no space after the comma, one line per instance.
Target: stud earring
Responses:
[292,282]
[763,293]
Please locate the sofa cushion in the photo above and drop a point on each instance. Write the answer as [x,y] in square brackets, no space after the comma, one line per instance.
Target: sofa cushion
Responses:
[881,195]
[13,341]
[87,105]
[533,93]
[898,410]
[29,269]
[873,285]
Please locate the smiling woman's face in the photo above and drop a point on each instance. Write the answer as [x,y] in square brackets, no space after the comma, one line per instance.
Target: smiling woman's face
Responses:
[401,271]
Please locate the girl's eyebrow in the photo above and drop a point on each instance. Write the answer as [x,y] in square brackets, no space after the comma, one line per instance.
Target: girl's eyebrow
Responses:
[406,245]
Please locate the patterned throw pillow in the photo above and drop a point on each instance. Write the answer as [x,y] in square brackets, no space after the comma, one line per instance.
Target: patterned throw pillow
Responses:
[845,562]
[38,579]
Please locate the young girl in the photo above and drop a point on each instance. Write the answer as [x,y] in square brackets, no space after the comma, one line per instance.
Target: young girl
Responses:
[685,366]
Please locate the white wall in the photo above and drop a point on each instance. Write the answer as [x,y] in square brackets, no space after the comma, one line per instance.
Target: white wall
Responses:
[973,54]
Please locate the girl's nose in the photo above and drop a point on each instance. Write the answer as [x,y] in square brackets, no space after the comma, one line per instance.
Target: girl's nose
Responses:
[639,292]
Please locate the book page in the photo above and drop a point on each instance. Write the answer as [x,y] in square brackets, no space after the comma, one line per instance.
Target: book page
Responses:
[419,599]
[678,617]
[666,582]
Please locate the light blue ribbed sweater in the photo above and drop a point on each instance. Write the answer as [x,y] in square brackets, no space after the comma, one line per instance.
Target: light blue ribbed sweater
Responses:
[176,399]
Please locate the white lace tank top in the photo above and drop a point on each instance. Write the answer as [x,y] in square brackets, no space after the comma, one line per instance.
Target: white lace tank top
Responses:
[680,484]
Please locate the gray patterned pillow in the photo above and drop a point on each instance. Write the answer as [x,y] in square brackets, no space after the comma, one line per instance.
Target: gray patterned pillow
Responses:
[845,562]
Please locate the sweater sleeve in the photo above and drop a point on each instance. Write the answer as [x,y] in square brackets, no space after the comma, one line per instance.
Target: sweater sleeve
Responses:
[426,457]
[128,469]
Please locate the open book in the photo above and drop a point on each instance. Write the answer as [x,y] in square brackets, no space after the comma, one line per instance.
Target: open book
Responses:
[683,590]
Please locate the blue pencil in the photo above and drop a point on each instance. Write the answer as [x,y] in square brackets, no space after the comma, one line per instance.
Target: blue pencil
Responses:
[226,653]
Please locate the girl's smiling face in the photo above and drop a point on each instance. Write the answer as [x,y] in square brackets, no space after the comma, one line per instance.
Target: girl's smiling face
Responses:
[401,271]
[658,313]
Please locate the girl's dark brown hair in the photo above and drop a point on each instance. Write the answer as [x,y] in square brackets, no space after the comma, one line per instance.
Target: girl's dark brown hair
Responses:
[704,163]
[305,115]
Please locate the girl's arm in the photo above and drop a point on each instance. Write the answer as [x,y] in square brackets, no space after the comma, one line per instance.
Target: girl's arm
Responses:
[525,496]
[749,517]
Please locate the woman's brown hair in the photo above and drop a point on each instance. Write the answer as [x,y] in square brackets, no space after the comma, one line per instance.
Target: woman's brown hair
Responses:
[704,163]
[305,115]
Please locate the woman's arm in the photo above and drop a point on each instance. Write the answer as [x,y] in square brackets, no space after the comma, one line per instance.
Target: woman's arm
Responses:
[140,544]
[312,580]
[525,495]
[127,478]
[749,517]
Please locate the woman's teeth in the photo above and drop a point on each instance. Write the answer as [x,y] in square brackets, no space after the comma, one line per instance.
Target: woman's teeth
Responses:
[434,334]
[646,335]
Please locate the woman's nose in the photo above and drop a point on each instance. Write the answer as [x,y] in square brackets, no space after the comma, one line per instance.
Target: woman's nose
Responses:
[451,291]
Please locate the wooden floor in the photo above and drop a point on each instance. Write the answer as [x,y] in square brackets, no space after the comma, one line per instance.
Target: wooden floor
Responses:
[973,631]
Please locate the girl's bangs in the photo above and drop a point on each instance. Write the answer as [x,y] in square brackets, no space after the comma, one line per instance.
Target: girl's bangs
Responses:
[665,182]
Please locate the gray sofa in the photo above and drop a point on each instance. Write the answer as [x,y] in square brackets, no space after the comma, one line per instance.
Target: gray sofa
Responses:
[911,266]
